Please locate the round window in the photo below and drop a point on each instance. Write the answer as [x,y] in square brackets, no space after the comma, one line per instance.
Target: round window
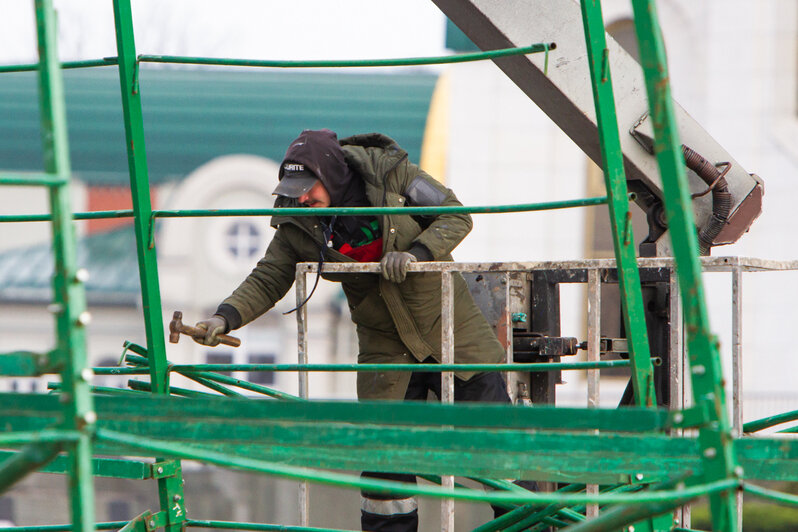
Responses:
[243,240]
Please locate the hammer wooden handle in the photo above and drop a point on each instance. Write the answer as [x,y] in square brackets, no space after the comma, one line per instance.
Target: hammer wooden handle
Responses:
[225,339]
[176,328]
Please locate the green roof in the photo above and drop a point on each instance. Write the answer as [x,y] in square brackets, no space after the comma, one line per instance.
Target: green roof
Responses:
[192,116]
[110,258]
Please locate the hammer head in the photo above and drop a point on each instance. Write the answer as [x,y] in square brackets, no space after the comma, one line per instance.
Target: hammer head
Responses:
[174,326]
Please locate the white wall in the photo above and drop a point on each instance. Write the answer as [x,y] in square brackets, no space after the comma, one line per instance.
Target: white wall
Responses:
[742,89]
[33,200]
[733,67]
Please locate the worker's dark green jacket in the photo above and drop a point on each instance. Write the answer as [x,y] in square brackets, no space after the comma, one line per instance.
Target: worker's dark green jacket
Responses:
[394,321]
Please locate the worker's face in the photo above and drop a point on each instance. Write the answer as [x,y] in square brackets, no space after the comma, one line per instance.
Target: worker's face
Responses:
[317,196]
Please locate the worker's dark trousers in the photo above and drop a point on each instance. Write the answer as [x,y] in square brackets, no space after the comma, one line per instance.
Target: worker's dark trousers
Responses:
[396,513]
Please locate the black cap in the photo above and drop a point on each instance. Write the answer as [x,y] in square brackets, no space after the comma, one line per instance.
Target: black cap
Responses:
[295,180]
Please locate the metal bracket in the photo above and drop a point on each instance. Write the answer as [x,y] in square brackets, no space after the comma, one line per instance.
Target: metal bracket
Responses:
[165,469]
[694,417]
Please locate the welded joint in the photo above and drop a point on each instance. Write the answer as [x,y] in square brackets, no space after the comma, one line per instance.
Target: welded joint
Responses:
[627,229]
[134,89]
[156,521]
[87,420]
[548,47]
[84,319]
[151,231]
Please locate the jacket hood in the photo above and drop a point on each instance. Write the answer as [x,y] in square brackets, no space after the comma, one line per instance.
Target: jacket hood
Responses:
[372,140]
[321,153]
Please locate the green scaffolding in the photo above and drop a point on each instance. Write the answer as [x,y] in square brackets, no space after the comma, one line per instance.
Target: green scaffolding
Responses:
[643,469]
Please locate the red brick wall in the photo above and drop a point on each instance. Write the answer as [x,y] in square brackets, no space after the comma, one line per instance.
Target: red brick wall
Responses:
[111,199]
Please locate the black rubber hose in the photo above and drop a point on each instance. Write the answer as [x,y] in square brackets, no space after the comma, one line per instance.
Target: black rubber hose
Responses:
[721,197]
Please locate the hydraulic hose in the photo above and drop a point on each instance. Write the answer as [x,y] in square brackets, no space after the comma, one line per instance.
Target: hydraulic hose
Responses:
[721,197]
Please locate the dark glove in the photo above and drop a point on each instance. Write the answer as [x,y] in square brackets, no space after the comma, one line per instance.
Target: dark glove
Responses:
[394,265]
[213,326]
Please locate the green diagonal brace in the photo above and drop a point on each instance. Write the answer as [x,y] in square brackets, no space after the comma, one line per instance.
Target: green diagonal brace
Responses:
[140,190]
[138,523]
[28,459]
[620,215]
[715,438]
[170,490]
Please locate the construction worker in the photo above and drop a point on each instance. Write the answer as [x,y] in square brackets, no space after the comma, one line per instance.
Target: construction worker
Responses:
[398,316]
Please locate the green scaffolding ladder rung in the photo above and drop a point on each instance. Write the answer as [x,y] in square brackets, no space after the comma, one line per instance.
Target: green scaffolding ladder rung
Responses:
[30,179]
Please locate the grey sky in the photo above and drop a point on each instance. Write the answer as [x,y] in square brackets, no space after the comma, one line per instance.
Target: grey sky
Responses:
[260,29]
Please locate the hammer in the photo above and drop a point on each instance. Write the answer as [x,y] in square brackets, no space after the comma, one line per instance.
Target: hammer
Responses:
[176,327]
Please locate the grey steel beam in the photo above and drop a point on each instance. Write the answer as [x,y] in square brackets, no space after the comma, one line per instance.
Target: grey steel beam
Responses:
[564,94]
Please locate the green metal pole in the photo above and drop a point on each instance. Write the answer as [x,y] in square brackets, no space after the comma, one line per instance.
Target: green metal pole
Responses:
[620,215]
[70,298]
[140,190]
[170,487]
[715,438]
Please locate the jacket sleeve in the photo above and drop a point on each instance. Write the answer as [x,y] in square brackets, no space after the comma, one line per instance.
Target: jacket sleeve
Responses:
[441,232]
[268,282]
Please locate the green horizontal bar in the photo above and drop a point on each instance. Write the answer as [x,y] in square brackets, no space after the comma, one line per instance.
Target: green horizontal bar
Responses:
[496,438]
[770,421]
[562,455]
[106,61]
[257,526]
[106,467]
[32,179]
[22,364]
[329,211]
[407,61]
[381,486]
[251,413]
[94,215]
[370,211]
[115,525]
[43,436]
[777,496]
[98,389]
[101,467]
[372,368]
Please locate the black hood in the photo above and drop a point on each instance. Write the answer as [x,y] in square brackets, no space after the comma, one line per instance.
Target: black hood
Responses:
[321,153]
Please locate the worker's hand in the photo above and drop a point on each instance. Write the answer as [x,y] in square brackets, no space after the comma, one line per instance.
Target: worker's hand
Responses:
[394,265]
[213,327]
